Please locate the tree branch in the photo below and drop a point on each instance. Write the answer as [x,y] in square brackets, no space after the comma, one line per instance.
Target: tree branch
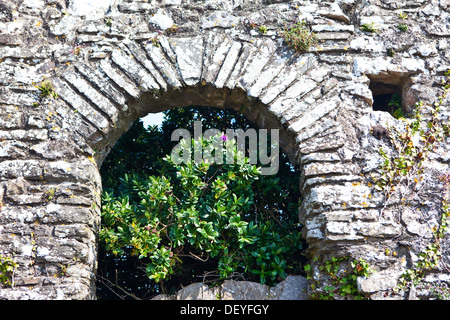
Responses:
[104,281]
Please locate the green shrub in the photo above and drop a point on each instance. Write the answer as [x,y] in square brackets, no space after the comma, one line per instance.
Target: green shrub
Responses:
[203,211]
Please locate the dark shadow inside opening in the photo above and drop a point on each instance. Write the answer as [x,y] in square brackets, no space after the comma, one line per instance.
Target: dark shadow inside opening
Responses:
[389,94]
[386,98]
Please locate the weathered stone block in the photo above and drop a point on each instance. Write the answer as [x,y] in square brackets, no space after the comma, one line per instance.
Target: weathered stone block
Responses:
[197,291]
[291,288]
[214,56]
[140,56]
[142,79]
[256,62]
[377,229]
[164,66]
[93,95]
[279,60]
[379,281]
[80,105]
[100,83]
[244,290]
[228,64]
[119,79]
[335,227]
[189,58]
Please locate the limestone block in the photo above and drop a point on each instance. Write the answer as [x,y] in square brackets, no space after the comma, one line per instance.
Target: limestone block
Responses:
[140,56]
[341,216]
[215,52]
[256,62]
[228,64]
[80,105]
[10,39]
[306,183]
[99,81]
[28,135]
[336,227]
[93,9]
[360,90]
[314,114]
[319,157]
[10,97]
[411,220]
[383,65]
[244,290]
[220,19]
[289,100]
[134,7]
[367,43]
[28,169]
[277,63]
[379,281]
[291,288]
[334,11]
[287,76]
[142,79]
[313,235]
[333,28]
[326,168]
[119,79]
[161,20]
[331,139]
[94,96]
[164,66]
[197,291]
[315,130]
[377,229]
[66,27]
[189,58]
[246,52]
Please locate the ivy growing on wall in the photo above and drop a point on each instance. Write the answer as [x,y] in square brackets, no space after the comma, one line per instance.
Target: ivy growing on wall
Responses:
[7,268]
[342,274]
[403,175]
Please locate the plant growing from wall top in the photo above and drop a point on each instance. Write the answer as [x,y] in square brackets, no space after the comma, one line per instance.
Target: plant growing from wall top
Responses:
[262,29]
[46,89]
[298,36]
[155,40]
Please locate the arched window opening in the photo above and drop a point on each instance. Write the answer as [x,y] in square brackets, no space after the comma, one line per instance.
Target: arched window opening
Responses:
[259,238]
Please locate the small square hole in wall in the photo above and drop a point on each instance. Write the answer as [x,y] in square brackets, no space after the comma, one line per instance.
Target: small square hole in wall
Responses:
[388,93]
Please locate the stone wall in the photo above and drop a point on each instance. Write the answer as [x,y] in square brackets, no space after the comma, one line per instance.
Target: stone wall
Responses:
[107,72]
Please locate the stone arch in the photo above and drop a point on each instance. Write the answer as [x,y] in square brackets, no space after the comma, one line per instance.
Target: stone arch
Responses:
[263,81]
[107,72]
